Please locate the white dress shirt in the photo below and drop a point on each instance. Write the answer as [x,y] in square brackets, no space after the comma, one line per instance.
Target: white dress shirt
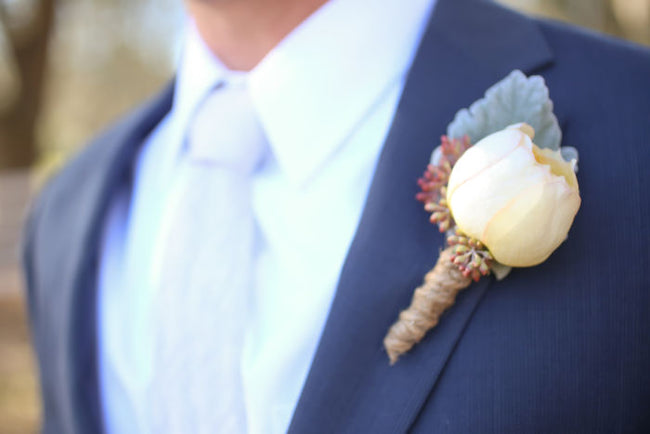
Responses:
[325,96]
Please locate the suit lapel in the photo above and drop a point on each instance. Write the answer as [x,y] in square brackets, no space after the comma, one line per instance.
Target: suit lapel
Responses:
[116,152]
[468,46]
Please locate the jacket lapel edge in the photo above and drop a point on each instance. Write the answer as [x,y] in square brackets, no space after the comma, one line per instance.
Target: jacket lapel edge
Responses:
[84,364]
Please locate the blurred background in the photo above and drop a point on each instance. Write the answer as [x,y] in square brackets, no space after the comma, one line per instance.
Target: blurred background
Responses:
[68,68]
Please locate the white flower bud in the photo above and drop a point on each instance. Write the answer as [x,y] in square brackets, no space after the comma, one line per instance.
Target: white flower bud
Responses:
[518,199]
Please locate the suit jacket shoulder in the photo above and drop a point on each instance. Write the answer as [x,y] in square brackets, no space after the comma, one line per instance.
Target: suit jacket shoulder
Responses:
[598,67]
[60,258]
[82,180]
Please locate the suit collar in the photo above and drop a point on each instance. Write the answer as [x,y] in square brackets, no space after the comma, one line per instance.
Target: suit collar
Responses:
[468,46]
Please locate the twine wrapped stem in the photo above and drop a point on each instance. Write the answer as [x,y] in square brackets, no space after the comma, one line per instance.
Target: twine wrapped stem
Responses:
[430,300]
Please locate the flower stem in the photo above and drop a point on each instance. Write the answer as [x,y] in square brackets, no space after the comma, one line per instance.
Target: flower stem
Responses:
[436,294]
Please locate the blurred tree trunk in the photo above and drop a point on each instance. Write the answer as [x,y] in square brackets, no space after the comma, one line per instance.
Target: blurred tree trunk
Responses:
[28,46]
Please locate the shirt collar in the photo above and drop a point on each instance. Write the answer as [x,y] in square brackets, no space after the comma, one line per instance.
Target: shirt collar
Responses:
[313,88]
[320,81]
[199,72]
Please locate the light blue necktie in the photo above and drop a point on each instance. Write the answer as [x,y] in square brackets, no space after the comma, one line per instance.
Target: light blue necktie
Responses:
[206,261]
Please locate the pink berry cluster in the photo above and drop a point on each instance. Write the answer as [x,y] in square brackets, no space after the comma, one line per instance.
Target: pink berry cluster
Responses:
[433,183]
[470,255]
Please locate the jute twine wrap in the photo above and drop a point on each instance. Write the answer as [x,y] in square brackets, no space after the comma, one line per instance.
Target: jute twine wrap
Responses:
[430,300]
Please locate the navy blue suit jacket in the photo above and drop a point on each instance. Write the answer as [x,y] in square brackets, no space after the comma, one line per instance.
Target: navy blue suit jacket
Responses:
[561,347]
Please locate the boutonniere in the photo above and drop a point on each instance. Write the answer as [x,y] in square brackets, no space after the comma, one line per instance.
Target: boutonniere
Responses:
[502,190]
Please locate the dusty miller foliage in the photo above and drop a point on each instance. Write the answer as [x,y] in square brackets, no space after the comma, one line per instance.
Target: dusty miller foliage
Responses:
[514,99]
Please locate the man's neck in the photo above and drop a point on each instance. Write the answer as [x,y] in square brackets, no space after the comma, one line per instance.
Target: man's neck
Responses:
[241,32]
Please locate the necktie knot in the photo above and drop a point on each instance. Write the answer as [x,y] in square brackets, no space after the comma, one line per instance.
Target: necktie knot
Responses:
[226,131]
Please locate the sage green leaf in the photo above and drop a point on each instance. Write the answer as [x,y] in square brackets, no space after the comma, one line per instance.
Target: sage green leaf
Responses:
[514,99]
[500,271]
[570,154]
